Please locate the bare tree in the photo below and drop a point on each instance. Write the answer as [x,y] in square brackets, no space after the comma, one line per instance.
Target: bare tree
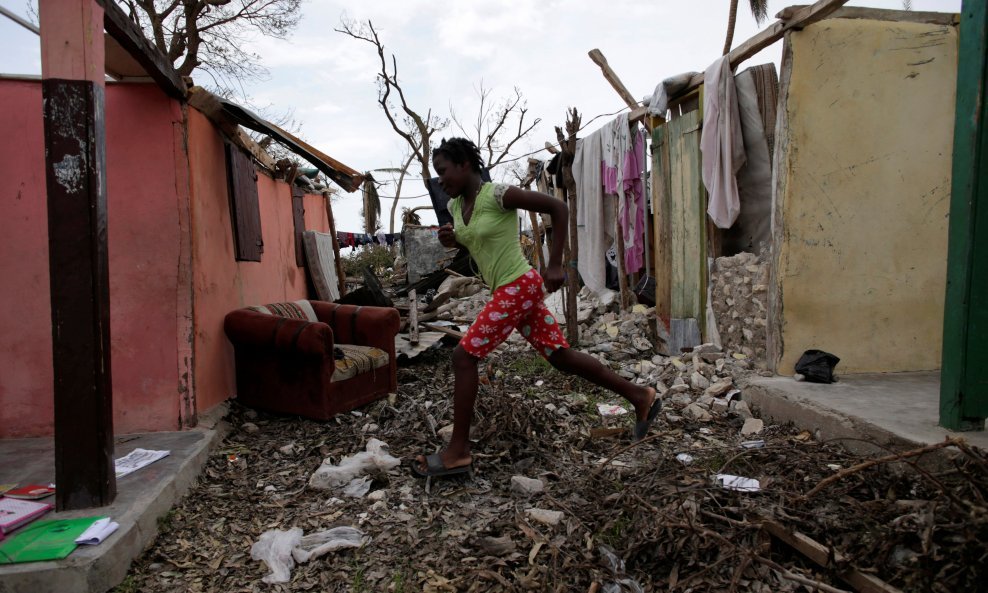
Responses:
[401,172]
[415,129]
[759,9]
[493,129]
[209,35]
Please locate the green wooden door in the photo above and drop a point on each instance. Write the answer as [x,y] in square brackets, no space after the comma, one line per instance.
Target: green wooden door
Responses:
[964,372]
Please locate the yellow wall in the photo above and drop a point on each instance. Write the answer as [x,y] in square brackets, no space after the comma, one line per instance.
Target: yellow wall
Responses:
[863,194]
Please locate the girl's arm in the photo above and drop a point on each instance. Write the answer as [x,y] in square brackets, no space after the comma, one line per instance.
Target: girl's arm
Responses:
[534,201]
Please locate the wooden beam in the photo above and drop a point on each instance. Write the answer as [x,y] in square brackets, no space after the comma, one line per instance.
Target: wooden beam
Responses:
[822,555]
[340,272]
[599,59]
[788,20]
[881,14]
[209,105]
[128,35]
[413,317]
[439,328]
[78,259]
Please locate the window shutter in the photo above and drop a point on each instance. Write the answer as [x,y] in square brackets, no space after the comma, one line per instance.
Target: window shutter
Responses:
[298,215]
[244,208]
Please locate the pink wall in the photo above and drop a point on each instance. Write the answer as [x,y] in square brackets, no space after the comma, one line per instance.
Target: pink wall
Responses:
[25,310]
[170,247]
[144,191]
[222,284]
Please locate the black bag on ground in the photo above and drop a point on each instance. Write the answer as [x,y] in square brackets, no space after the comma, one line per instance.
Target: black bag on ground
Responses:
[817,366]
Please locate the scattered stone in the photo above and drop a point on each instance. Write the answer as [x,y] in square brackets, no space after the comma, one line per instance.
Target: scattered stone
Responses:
[287,449]
[547,517]
[249,427]
[698,381]
[743,410]
[720,387]
[378,495]
[752,426]
[719,406]
[526,486]
[695,412]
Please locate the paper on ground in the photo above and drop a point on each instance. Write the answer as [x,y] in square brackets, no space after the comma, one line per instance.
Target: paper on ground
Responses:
[97,532]
[137,459]
[738,483]
[611,410]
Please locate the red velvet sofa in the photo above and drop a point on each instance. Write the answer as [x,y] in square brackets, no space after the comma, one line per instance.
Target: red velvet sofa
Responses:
[296,358]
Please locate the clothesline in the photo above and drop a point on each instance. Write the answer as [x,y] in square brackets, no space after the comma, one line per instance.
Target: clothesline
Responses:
[355,240]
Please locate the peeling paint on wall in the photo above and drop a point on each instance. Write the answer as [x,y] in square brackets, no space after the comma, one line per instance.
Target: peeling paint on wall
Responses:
[68,172]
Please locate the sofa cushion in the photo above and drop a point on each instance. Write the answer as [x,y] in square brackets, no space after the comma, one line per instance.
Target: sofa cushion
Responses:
[353,360]
[293,310]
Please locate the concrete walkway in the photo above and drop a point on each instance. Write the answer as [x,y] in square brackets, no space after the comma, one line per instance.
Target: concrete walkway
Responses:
[888,408]
[142,497]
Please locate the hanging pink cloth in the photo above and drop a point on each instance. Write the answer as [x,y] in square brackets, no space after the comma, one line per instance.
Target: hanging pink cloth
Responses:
[631,213]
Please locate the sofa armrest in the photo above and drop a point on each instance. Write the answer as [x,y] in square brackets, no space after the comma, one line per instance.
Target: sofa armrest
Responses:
[252,328]
[364,326]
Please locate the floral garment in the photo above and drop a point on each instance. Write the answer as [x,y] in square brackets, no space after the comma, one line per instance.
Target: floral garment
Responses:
[516,305]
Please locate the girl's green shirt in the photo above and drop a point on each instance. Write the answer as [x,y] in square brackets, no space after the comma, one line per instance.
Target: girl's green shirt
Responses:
[491,236]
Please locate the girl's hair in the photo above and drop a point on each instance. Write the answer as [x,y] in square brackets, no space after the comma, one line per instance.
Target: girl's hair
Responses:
[459,151]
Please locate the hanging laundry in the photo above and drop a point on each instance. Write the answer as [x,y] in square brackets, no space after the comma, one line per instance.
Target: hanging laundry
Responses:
[721,143]
[590,232]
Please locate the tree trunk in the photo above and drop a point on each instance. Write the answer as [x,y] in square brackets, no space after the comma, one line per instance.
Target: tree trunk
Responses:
[732,18]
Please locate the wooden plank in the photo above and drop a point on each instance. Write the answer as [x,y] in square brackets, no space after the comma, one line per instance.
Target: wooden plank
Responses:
[78,259]
[964,374]
[882,14]
[129,36]
[445,330]
[663,240]
[298,221]
[207,103]
[340,274]
[245,212]
[822,555]
[798,19]
[413,317]
[599,59]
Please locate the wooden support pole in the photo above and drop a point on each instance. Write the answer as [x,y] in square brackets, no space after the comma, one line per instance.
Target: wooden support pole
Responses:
[662,203]
[567,145]
[413,317]
[621,268]
[72,65]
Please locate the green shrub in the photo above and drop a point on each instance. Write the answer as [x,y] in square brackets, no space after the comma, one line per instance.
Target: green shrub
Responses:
[378,257]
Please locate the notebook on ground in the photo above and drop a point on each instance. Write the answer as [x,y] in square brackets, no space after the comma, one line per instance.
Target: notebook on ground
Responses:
[44,540]
[31,491]
[15,512]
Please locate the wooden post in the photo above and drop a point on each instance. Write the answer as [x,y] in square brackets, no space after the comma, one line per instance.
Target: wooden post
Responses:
[622,270]
[567,147]
[413,318]
[964,374]
[72,65]
[663,240]
[340,274]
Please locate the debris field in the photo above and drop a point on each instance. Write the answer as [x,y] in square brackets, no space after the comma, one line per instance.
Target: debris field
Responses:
[560,499]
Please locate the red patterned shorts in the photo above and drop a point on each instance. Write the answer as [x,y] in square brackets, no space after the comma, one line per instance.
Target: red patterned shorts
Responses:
[517,305]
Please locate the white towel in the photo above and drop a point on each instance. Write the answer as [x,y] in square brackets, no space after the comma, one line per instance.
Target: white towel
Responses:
[721,143]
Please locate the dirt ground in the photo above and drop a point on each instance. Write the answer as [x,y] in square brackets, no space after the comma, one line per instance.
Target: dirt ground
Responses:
[632,519]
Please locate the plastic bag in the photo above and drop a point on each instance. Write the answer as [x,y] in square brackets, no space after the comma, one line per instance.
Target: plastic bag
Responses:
[621,583]
[817,366]
[375,457]
[279,550]
[274,548]
[337,538]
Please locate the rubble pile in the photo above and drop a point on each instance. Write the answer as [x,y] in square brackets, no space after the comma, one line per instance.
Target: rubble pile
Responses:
[739,297]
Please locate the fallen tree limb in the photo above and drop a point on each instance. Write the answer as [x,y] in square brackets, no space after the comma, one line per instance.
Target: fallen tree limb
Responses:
[950,442]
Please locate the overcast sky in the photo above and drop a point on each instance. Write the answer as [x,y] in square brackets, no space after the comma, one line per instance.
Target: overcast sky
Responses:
[445,49]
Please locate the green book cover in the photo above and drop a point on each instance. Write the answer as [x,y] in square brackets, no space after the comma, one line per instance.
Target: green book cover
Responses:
[44,540]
